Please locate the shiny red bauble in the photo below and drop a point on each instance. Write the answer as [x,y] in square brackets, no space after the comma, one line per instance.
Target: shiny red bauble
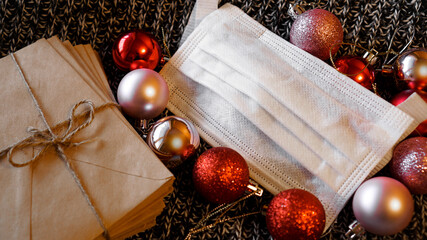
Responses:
[409,164]
[317,31]
[411,67]
[295,214]
[421,130]
[136,49]
[357,69]
[221,175]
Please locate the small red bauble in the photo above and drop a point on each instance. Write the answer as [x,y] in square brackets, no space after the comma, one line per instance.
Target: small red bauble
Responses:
[316,31]
[401,97]
[136,49]
[352,66]
[295,214]
[409,164]
[221,175]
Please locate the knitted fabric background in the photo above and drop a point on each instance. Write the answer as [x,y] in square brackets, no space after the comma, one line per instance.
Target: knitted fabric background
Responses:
[370,24]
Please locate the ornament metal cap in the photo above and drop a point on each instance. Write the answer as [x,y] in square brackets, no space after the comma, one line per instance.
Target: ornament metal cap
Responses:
[254,187]
[371,56]
[356,230]
[387,69]
[295,10]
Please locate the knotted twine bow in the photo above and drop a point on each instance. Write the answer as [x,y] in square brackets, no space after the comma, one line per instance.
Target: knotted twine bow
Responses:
[48,138]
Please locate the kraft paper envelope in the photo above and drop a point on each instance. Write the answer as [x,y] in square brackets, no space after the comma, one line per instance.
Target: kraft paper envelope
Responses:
[124,179]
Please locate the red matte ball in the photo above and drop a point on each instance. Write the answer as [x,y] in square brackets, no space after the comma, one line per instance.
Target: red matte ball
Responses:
[221,175]
[352,66]
[295,214]
[136,49]
[409,164]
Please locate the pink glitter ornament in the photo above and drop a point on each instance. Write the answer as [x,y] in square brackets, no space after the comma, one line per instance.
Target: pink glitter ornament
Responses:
[316,31]
[409,164]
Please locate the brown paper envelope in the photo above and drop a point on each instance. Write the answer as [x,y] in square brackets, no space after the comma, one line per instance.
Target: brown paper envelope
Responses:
[96,61]
[78,65]
[71,49]
[42,201]
[88,59]
[71,55]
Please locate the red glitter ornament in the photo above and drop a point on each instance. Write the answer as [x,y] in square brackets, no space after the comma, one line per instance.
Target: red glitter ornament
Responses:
[316,31]
[136,49]
[352,66]
[409,164]
[295,214]
[401,97]
[221,175]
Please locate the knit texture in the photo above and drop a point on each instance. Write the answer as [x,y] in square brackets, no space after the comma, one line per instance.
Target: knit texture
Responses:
[370,24]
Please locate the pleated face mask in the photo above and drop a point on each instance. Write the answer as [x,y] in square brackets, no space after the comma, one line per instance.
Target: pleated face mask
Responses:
[298,122]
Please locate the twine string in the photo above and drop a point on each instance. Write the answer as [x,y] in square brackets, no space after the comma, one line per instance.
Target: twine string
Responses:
[48,138]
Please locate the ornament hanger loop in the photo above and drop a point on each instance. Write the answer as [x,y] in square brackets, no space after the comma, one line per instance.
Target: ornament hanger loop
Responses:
[166,46]
[221,210]
[396,54]
[304,3]
[299,7]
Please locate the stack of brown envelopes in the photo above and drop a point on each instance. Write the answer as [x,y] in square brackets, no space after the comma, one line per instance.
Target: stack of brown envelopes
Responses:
[122,183]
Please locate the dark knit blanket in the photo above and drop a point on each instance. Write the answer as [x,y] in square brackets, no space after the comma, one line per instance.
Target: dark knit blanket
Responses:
[370,24]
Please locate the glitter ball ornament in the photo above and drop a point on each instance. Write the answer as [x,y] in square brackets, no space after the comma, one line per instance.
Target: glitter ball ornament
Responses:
[173,140]
[383,206]
[143,94]
[352,66]
[136,49]
[221,175]
[411,67]
[421,129]
[409,164]
[316,31]
[295,214]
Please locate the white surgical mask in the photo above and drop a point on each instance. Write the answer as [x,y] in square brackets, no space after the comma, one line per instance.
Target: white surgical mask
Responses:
[297,121]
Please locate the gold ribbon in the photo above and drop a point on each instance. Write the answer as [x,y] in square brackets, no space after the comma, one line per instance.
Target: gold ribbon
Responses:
[47,138]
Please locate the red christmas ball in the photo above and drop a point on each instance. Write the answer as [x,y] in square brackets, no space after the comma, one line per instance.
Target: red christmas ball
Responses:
[221,175]
[409,164]
[401,97]
[295,214]
[353,66]
[136,49]
[316,31]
